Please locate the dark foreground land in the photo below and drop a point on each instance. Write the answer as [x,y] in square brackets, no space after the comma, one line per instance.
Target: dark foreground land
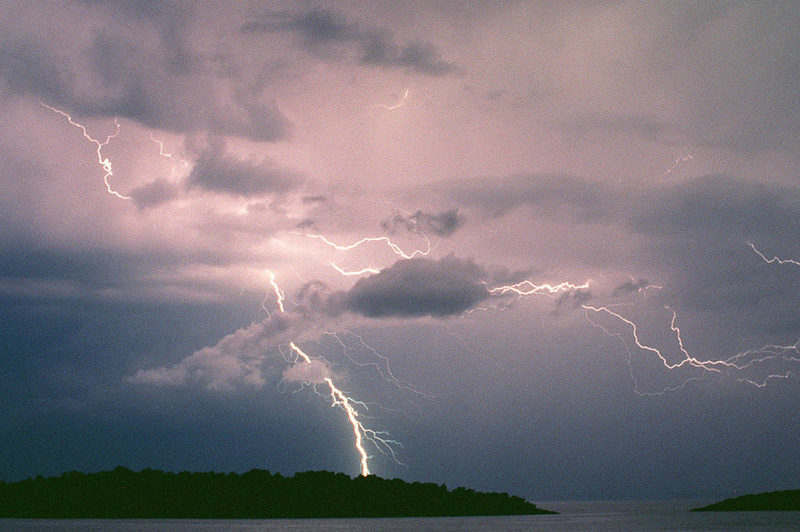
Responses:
[257,494]
[773,501]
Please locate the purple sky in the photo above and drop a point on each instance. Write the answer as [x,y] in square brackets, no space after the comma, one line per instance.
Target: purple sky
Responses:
[649,149]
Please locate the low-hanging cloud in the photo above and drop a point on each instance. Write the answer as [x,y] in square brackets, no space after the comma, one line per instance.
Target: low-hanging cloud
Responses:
[235,361]
[443,224]
[219,172]
[415,288]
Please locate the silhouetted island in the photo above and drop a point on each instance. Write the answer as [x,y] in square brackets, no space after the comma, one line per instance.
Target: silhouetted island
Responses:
[785,501]
[257,494]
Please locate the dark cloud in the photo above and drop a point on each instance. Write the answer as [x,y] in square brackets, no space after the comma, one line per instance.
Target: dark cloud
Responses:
[314,199]
[379,50]
[630,286]
[719,205]
[573,299]
[320,29]
[154,193]
[442,224]
[28,68]
[559,195]
[219,172]
[166,87]
[318,26]
[306,224]
[415,288]
[169,18]
[715,204]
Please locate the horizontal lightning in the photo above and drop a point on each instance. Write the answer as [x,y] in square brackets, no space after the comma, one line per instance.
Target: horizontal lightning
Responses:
[394,247]
[773,259]
[354,273]
[677,162]
[528,288]
[739,362]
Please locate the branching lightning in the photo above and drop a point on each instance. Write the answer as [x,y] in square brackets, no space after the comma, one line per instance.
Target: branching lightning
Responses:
[379,439]
[755,360]
[528,288]
[104,162]
[338,398]
[394,247]
[750,359]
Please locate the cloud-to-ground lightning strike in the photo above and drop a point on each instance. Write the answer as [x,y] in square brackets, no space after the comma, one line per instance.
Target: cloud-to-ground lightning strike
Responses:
[340,399]
[361,433]
[392,107]
[103,161]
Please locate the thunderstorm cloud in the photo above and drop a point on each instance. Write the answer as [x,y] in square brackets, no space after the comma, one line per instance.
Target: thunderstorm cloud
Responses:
[644,154]
[322,29]
[442,224]
[417,287]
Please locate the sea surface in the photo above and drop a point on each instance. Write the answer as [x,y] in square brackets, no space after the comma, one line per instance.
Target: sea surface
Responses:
[630,516]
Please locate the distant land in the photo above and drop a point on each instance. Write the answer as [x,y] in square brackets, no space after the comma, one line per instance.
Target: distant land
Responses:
[257,494]
[784,501]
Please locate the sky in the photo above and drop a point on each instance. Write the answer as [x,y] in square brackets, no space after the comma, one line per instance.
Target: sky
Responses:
[545,248]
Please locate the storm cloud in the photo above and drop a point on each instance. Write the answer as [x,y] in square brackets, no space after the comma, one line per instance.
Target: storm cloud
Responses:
[220,172]
[548,159]
[417,287]
[442,224]
[320,29]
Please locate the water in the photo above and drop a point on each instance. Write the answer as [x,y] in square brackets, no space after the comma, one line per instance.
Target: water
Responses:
[635,516]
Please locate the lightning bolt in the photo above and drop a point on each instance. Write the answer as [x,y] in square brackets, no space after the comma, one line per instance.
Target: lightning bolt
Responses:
[279,295]
[395,106]
[360,432]
[678,161]
[354,273]
[338,398]
[773,259]
[163,153]
[737,364]
[528,288]
[394,247]
[379,362]
[104,162]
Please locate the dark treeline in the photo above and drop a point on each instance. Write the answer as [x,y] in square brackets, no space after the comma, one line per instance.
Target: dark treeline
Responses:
[788,500]
[257,494]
